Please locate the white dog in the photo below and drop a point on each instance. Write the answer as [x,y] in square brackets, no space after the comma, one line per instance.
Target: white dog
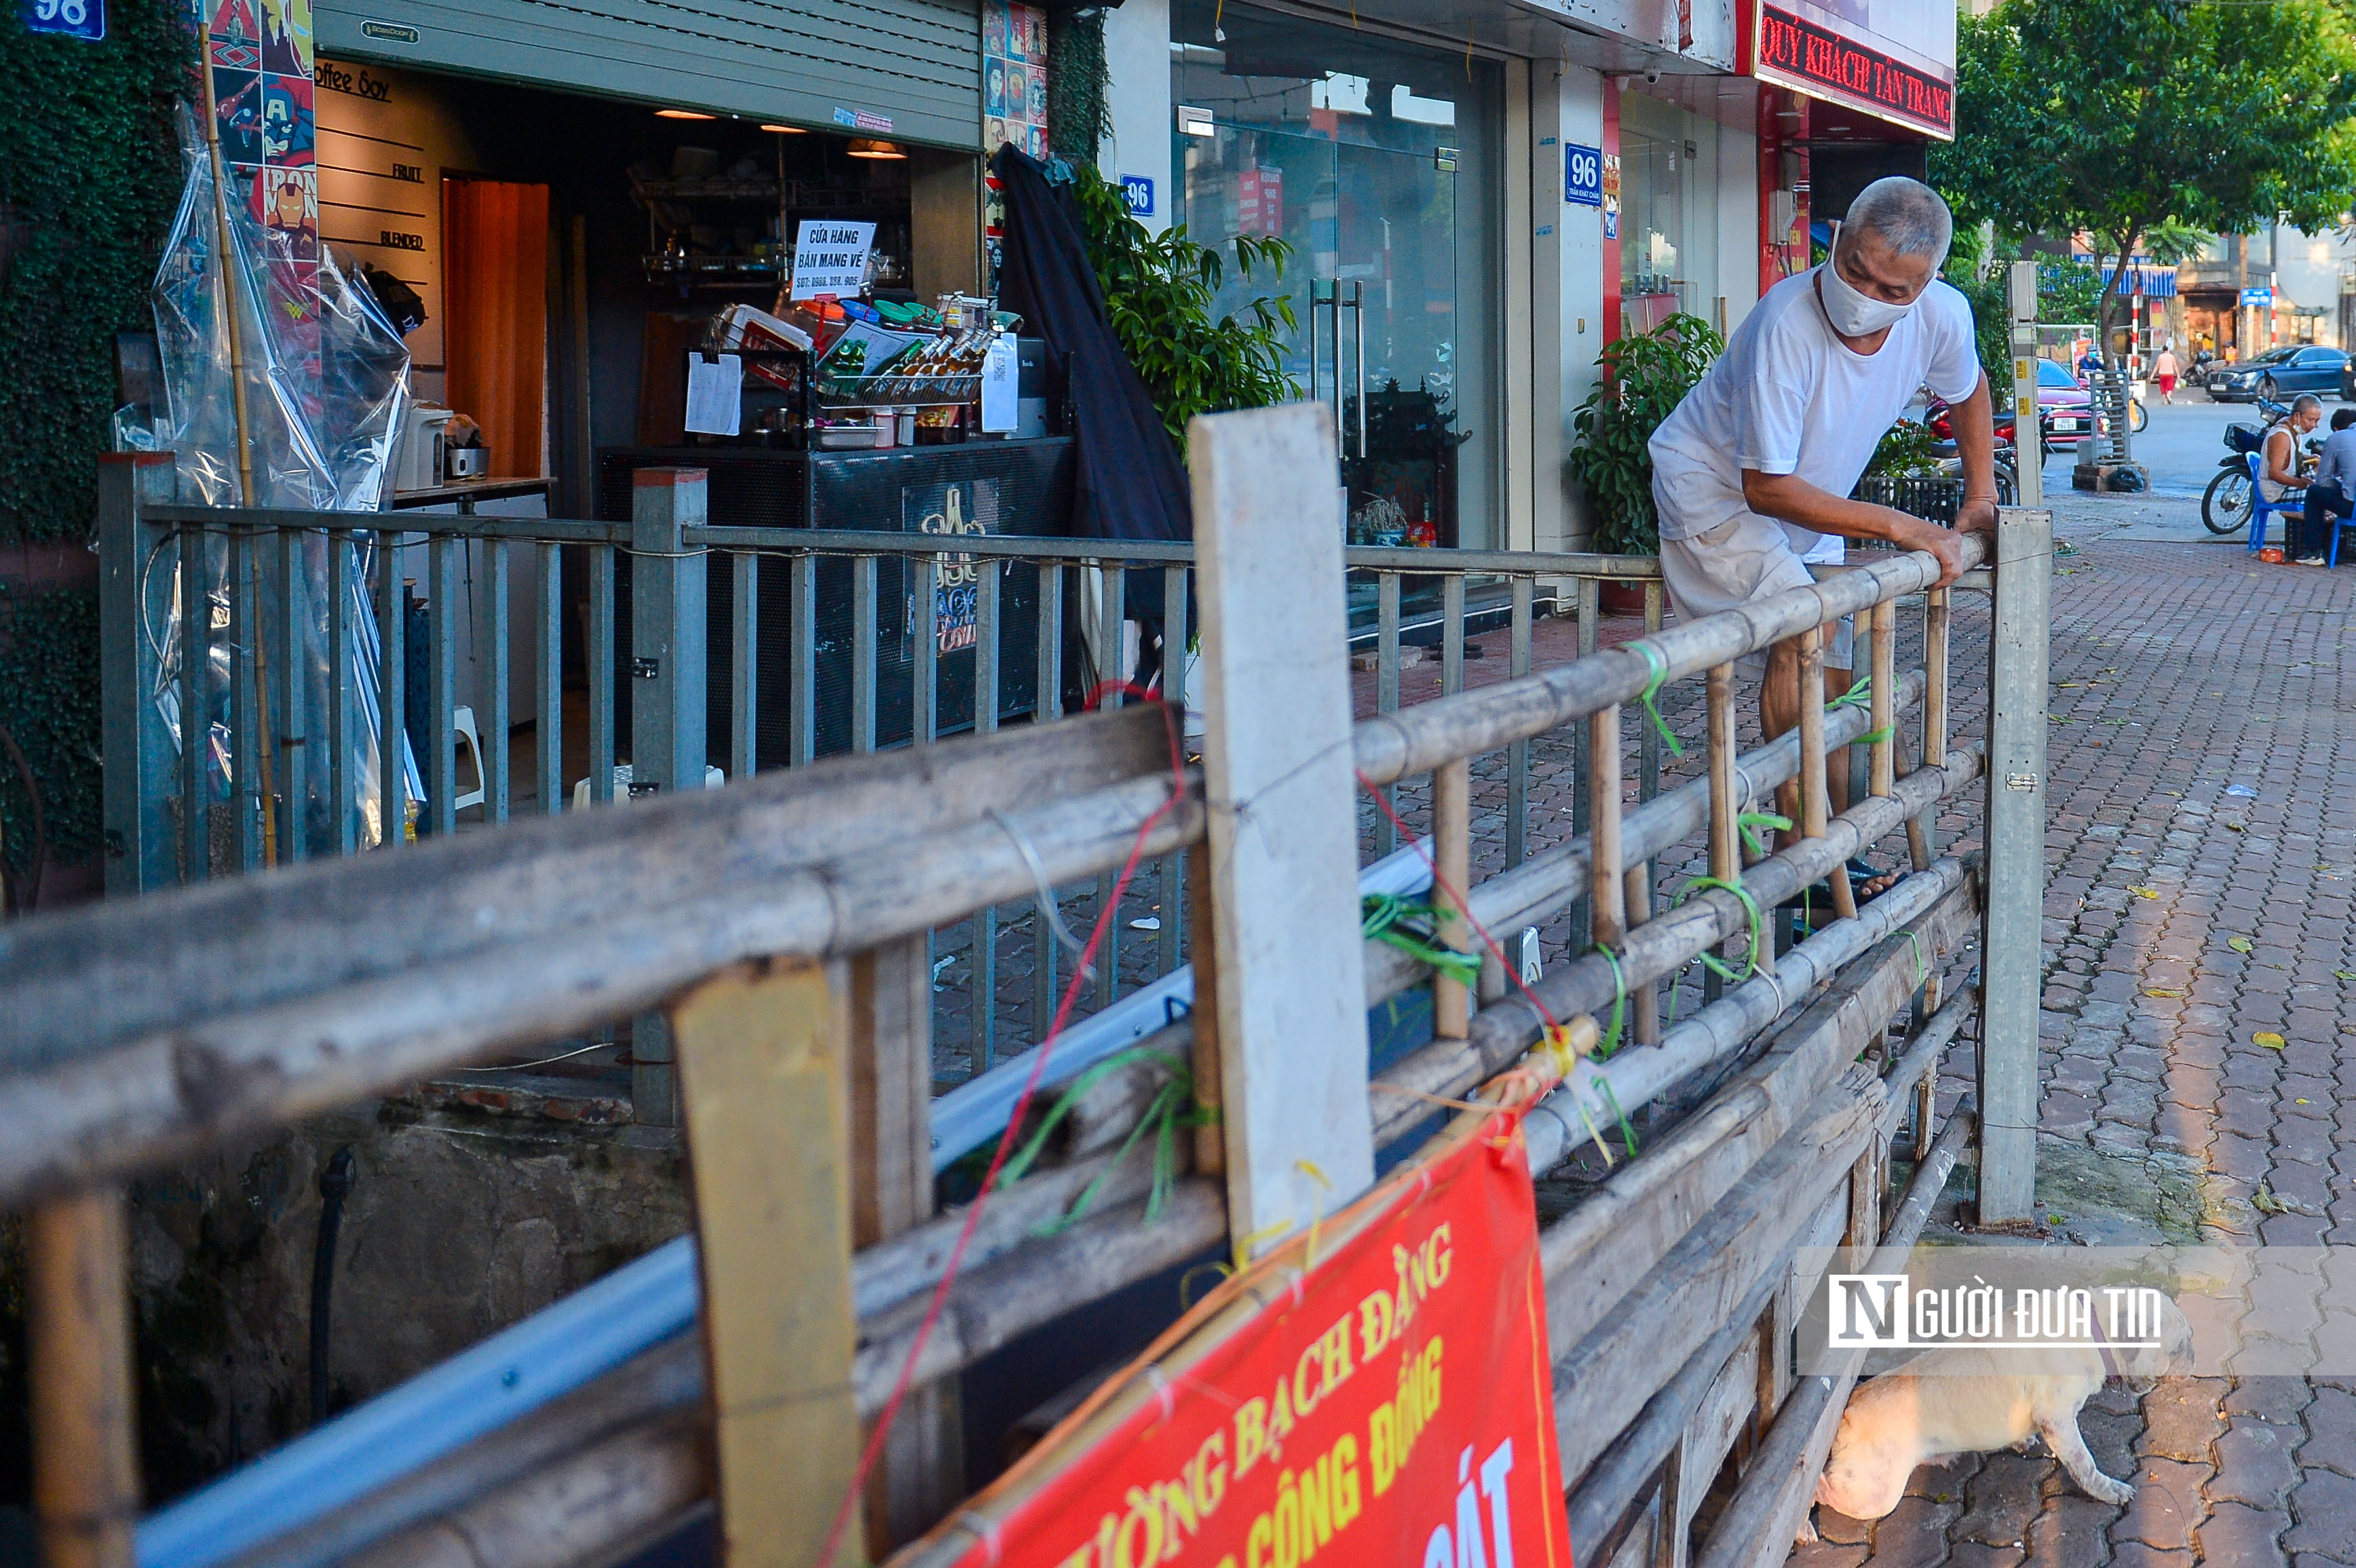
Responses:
[1965,1401]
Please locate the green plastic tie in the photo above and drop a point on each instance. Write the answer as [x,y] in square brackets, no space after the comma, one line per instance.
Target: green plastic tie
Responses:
[1860,696]
[1856,696]
[1610,1040]
[1660,668]
[1385,917]
[1166,1113]
[1717,965]
[1627,1129]
[1748,823]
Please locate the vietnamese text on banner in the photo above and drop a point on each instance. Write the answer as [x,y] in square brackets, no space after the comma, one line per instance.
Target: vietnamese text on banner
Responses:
[1375,1391]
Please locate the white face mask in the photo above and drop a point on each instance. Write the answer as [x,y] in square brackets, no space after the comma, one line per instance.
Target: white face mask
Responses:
[1853,313]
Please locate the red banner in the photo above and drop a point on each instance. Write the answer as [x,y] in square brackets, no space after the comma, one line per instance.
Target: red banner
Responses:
[1375,1391]
[1794,52]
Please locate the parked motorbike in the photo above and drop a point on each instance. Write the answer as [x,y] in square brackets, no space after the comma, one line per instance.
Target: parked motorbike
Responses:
[1939,420]
[2225,505]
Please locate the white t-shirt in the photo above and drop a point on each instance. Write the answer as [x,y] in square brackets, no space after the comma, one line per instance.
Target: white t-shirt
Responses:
[1789,397]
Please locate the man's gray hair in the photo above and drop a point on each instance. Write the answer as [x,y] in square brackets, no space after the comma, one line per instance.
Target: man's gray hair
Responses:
[1910,218]
[2305,401]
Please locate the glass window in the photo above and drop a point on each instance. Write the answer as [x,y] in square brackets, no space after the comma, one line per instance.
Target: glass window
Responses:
[1377,161]
[1652,208]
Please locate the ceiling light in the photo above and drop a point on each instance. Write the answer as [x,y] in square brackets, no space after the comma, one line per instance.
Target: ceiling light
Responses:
[786,130]
[679,114]
[872,149]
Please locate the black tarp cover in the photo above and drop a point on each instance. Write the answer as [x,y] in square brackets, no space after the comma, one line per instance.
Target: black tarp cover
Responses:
[1129,483]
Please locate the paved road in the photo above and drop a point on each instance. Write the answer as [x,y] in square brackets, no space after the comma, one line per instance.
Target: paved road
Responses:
[2180,446]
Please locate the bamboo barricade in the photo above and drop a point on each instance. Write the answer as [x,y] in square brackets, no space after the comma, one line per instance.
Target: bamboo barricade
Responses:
[132,1039]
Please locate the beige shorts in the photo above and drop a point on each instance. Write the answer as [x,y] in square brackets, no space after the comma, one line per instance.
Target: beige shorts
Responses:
[1739,561]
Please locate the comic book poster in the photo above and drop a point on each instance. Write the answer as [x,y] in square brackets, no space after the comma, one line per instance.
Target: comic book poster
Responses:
[1014,77]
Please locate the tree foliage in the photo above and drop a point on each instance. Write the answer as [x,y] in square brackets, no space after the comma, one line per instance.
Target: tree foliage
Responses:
[1162,294]
[1645,377]
[2120,116]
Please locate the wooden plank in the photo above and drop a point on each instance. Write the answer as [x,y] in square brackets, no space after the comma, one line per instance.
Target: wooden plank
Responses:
[108,973]
[920,1475]
[84,1425]
[659,1391]
[761,1058]
[1603,1380]
[1210,1140]
[1284,819]
[621,1488]
[1593,1255]
[1755,1530]
[181,1089]
[1725,1409]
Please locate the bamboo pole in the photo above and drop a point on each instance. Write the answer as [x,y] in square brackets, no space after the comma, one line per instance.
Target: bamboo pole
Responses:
[1607,883]
[1211,1137]
[1452,833]
[1884,752]
[85,1458]
[1923,831]
[232,324]
[1816,801]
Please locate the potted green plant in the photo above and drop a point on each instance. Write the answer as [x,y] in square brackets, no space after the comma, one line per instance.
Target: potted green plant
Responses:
[1644,376]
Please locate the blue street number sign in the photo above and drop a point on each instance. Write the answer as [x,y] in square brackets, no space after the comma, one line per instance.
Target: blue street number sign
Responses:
[84,19]
[1582,175]
[1139,189]
[2258,299]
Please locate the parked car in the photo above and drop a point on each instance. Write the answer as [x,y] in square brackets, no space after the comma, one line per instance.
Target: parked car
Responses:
[2283,372]
[2068,407]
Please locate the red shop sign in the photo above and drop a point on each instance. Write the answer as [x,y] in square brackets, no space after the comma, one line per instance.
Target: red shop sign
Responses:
[1375,1391]
[1795,52]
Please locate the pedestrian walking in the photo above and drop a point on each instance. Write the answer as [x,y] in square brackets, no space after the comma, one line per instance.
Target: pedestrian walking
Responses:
[2165,369]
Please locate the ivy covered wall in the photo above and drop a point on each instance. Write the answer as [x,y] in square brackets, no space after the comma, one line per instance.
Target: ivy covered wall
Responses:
[89,173]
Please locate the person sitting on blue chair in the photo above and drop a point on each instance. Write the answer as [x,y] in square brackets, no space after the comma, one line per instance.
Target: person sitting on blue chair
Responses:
[2328,499]
[2279,480]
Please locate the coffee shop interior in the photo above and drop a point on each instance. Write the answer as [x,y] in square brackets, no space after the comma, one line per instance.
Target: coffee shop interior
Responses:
[570,255]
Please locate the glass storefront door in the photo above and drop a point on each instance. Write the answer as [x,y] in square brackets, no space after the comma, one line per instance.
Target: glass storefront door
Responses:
[1376,161]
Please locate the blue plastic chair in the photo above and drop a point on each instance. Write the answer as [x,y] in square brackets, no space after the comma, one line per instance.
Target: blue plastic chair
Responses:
[2260,508]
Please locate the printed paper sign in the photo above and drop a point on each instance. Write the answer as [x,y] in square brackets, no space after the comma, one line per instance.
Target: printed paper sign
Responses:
[830,258]
[1001,383]
[1392,1406]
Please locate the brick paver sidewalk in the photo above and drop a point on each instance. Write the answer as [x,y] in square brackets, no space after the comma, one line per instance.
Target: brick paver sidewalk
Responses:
[2203,790]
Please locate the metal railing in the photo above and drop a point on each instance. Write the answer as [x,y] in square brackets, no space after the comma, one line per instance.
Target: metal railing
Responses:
[696,646]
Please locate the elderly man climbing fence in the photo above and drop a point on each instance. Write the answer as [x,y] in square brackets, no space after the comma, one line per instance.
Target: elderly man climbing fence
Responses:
[1752,474]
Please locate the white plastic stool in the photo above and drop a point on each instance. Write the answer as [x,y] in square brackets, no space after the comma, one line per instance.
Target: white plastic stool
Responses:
[462,730]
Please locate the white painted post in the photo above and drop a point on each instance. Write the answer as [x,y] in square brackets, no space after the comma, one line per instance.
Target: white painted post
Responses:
[2012,963]
[2028,447]
[1283,829]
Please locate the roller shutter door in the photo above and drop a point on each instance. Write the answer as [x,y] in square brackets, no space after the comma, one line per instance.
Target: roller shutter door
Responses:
[914,63]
